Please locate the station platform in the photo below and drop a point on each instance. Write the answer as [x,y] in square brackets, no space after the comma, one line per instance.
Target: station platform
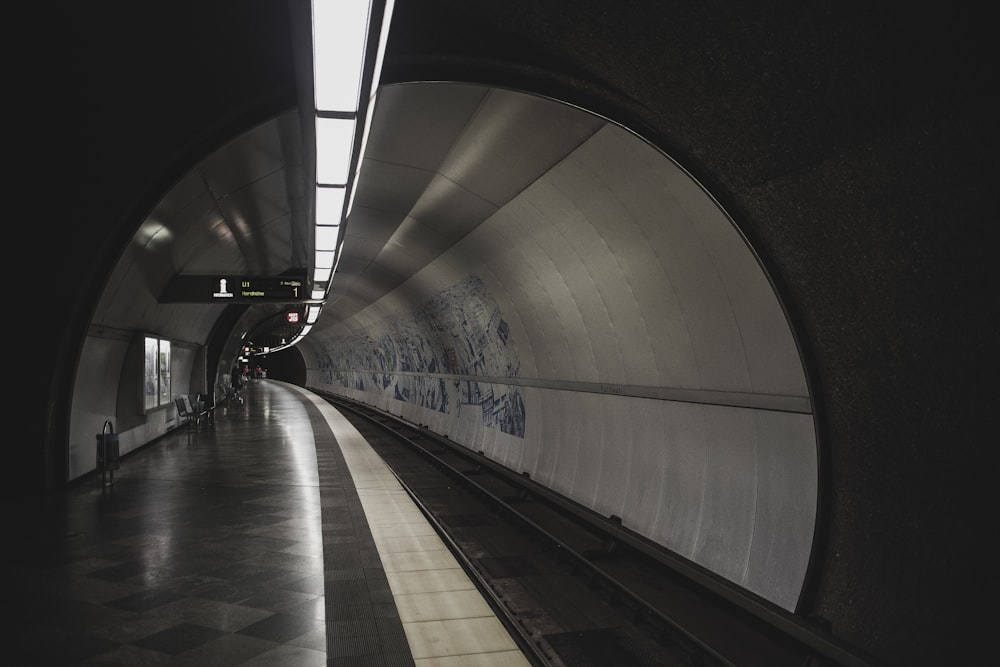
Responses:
[276,537]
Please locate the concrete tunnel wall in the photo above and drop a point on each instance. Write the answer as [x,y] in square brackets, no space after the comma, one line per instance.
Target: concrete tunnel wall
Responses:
[103,361]
[126,309]
[609,332]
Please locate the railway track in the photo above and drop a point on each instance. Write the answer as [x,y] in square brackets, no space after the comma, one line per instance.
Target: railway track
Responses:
[577,589]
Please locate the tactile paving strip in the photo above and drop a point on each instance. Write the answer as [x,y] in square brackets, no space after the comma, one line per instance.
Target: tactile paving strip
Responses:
[362,623]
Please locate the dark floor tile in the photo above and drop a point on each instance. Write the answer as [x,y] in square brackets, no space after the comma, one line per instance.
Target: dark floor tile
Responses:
[266,519]
[282,560]
[228,649]
[39,647]
[224,591]
[314,608]
[179,638]
[128,655]
[119,572]
[144,600]
[313,584]
[281,627]
[256,577]
[230,617]
[290,655]
[278,599]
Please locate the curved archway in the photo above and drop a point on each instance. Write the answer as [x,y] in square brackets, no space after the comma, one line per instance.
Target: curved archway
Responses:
[544,286]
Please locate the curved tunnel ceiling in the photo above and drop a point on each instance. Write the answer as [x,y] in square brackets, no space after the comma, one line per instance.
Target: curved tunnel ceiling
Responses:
[442,159]
[445,158]
[607,272]
[239,211]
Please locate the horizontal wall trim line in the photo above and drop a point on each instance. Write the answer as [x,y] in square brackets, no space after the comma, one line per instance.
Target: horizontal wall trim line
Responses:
[115,333]
[737,399]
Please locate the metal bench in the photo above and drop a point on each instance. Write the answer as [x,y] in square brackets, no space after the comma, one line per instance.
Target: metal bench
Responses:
[185,412]
[195,411]
[204,411]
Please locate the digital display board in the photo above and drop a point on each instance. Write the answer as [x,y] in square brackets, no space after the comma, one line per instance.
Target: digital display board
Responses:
[235,289]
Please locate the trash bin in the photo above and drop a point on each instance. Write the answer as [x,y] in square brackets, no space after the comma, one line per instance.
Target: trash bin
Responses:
[108,454]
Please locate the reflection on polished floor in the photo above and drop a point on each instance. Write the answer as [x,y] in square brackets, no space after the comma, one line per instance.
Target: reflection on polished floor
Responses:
[275,537]
[208,549]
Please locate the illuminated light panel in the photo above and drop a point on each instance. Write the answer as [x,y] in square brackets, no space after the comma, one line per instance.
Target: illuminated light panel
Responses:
[340,33]
[324,259]
[329,206]
[340,44]
[326,237]
[322,275]
[334,149]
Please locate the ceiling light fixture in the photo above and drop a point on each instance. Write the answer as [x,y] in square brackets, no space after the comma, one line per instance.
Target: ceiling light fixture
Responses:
[348,48]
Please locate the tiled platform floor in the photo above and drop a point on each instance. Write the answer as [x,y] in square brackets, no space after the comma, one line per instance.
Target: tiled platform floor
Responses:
[244,544]
[207,549]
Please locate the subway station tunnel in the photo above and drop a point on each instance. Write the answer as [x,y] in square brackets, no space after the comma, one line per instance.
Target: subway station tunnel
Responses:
[723,271]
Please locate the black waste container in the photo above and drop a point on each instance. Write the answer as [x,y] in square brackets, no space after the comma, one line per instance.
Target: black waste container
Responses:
[108,457]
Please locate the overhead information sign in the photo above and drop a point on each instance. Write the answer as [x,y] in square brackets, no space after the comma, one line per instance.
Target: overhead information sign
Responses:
[235,289]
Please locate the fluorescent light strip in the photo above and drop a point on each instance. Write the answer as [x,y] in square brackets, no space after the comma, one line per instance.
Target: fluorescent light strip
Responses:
[324,259]
[334,148]
[322,275]
[329,206]
[340,33]
[326,237]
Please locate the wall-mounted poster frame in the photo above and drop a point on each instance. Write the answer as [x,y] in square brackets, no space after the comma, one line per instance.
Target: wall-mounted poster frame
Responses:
[156,372]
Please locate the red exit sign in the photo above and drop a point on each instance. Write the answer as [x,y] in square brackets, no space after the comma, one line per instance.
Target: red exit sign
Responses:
[293,318]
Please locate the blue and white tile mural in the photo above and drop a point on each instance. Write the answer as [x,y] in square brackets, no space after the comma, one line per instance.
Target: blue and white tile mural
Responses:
[460,332]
